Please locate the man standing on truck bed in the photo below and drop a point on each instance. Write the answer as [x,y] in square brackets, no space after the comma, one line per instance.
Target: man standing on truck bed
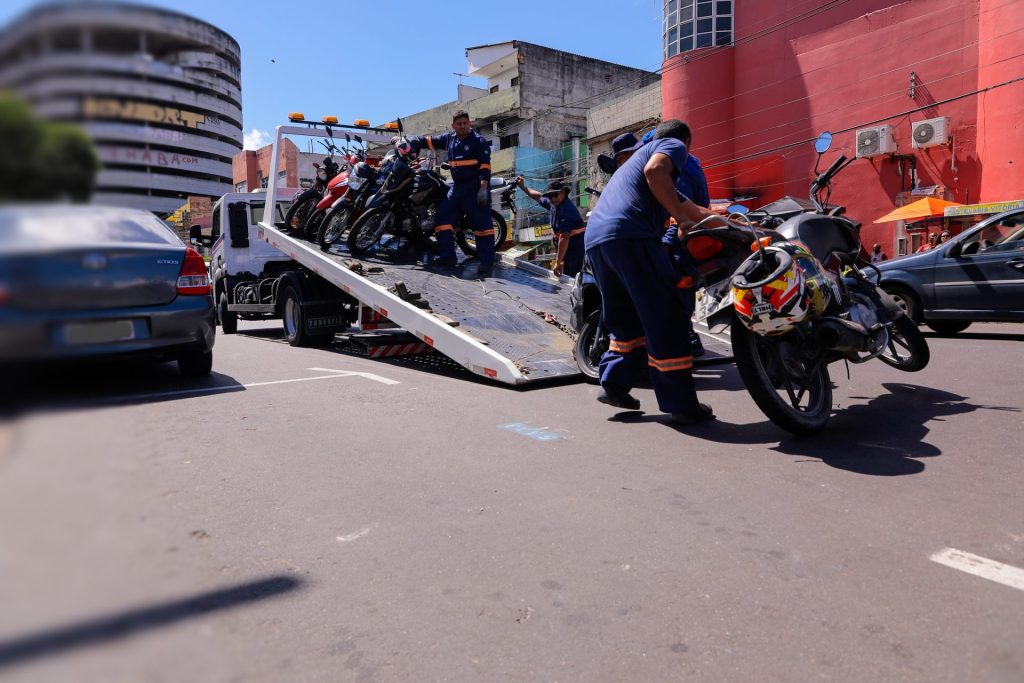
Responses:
[469,157]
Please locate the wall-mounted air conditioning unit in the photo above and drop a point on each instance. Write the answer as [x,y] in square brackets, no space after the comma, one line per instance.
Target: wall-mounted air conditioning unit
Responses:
[872,142]
[931,132]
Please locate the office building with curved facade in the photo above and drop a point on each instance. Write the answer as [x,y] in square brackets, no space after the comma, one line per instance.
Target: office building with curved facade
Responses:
[159,93]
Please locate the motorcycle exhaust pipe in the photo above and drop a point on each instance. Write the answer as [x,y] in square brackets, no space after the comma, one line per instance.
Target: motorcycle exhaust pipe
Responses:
[840,335]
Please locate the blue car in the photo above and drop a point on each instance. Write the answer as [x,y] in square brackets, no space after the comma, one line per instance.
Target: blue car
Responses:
[89,282]
[978,276]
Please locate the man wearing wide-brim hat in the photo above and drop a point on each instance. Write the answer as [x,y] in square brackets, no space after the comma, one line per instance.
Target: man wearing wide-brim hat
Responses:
[566,224]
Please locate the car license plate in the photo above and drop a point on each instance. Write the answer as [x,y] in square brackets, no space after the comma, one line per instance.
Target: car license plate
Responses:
[99,332]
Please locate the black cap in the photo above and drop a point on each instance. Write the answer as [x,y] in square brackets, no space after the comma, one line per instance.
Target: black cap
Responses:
[554,187]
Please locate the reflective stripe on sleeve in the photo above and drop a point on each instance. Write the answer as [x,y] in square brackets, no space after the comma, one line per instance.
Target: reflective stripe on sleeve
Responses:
[447,227]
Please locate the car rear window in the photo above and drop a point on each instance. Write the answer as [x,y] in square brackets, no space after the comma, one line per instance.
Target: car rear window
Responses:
[27,228]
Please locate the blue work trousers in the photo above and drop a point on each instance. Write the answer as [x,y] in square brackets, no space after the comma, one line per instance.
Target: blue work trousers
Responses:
[460,205]
[647,320]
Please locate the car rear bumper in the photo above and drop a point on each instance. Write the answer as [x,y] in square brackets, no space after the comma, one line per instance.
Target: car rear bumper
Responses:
[187,323]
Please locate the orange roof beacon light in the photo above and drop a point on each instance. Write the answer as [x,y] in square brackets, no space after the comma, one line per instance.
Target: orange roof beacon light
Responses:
[330,119]
[296,116]
[391,125]
[362,123]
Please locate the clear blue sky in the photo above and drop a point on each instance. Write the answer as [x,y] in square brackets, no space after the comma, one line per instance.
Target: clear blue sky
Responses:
[397,57]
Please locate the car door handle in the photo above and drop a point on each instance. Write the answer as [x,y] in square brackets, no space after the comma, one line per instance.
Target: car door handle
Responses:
[1016,263]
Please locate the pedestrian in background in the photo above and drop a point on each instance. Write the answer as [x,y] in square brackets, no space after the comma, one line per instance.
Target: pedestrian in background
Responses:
[566,224]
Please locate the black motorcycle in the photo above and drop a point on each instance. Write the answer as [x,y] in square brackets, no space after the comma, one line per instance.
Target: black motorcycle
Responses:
[406,205]
[363,183]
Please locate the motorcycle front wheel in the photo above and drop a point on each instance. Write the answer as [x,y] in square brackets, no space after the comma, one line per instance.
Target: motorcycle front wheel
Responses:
[908,349]
[368,230]
[333,227]
[297,215]
[311,228]
[792,392]
[467,240]
[591,343]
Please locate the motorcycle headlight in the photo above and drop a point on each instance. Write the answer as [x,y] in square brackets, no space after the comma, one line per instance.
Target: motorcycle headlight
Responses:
[354,183]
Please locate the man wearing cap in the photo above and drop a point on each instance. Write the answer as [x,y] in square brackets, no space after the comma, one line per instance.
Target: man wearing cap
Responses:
[566,223]
[622,149]
[469,157]
[641,308]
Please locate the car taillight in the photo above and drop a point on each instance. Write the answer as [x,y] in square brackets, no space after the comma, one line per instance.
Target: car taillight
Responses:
[193,279]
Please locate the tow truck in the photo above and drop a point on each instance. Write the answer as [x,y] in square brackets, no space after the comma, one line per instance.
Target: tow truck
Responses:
[512,327]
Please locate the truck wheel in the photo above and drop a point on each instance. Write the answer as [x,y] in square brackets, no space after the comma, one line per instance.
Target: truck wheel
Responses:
[196,363]
[467,240]
[228,319]
[294,318]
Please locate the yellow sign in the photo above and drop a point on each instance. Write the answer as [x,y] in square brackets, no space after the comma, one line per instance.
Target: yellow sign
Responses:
[977,209]
[94,107]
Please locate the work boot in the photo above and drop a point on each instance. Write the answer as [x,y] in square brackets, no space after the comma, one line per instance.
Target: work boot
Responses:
[618,399]
[483,271]
[703,413]
[443,261]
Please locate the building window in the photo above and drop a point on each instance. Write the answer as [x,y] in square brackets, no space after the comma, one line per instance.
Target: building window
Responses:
[240,187]
[515,81]
[507,141]
[494,88]
[693,24]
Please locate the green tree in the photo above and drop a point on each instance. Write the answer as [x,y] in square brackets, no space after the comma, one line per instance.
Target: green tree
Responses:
[42,160]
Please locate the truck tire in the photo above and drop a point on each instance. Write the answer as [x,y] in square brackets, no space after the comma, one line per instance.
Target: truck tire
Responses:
[196,363]
[293,317]
[228,319]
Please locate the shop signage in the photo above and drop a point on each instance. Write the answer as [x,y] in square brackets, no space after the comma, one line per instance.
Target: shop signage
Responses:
[105,108]
[978,209]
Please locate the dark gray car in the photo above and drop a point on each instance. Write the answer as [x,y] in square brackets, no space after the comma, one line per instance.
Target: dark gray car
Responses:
[976,276]
[79,281]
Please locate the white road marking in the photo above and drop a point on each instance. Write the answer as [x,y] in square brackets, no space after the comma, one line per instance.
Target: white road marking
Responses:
[352,373]
[352,537]
[981,566]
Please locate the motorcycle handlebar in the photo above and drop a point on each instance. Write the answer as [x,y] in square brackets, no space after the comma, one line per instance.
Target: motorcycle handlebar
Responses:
[830,171]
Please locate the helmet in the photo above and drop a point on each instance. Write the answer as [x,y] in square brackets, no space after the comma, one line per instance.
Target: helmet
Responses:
[784,287]
[406,149]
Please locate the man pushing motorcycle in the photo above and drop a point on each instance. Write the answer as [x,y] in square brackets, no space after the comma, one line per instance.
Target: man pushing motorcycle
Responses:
[469,157]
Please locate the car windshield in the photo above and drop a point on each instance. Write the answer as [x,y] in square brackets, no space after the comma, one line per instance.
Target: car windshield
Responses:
[42,228]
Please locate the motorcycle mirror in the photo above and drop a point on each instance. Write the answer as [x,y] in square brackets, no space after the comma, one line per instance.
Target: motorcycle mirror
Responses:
[607,164]
[738,208]
[330,134]
[823,142]
[358,139]
[399,122]
[347,138]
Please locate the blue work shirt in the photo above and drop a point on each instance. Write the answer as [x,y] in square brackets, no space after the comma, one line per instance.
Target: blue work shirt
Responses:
[564,218]
[469,158]
[693,184]
[627,208]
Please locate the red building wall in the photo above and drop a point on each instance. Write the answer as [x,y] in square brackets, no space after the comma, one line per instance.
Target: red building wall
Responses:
[756,106]
[251,166]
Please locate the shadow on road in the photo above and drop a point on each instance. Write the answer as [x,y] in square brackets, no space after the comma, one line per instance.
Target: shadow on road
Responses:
[988,334]
[80,385]
[884,437]
[132,621]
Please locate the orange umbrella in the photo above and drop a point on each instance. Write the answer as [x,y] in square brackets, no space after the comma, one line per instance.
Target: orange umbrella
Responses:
[922,208]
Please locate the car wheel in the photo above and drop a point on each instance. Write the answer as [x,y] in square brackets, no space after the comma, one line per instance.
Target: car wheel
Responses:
[948,327]
[907,301]
[196,363]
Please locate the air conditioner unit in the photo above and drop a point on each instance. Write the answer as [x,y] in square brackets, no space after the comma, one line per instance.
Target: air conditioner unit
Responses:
[931,132]
[872,142]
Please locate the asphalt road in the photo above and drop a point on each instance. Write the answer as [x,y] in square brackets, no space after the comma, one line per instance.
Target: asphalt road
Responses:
[311,515]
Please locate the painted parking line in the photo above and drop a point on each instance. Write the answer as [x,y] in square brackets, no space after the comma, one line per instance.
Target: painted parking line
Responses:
[981,566]
[351,373]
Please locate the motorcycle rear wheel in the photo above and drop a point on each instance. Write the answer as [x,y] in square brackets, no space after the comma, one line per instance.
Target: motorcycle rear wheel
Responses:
[311,228]
[467,240]
[590,346]
[800,405]
[368,230]
[333,227]
[908,349]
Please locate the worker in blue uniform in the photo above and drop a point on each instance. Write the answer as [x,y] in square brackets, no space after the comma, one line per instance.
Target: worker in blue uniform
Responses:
[641,308]
[469,157]
[566,224]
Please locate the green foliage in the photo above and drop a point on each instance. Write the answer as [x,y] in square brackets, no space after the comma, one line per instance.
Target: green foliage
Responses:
[42,160]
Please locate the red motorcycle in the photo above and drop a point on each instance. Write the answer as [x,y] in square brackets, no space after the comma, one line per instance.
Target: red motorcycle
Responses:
[337,187]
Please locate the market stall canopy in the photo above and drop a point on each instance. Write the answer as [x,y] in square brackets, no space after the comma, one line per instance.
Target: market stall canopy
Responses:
[922,208]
